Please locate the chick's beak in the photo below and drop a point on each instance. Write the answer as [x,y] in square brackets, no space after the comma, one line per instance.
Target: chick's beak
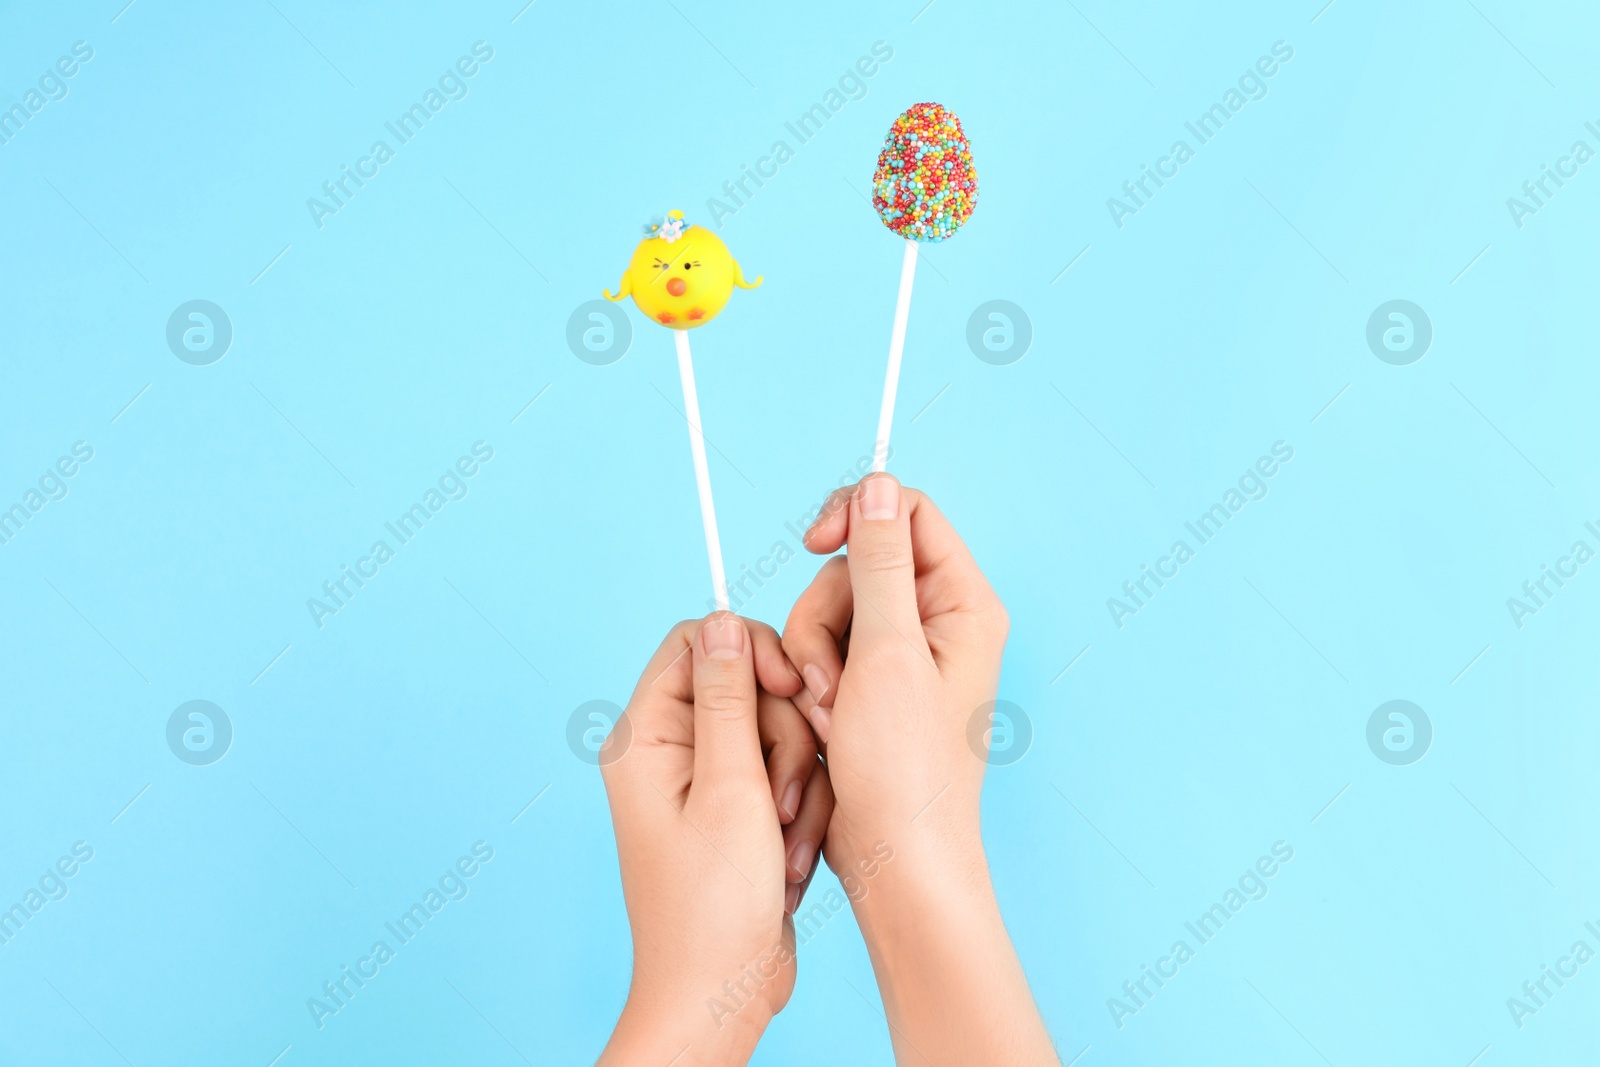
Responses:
[676,286]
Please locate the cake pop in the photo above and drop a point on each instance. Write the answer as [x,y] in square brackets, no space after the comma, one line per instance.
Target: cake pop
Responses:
[681,276]
[924,189]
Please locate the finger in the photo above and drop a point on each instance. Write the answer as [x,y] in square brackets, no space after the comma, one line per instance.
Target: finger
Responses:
[948,578]
[669,676]
[793,894]
[726,746]
[828,529]
[882,566]
[935,544]
[791,751]
[774,672]
[802,839]
[811,639]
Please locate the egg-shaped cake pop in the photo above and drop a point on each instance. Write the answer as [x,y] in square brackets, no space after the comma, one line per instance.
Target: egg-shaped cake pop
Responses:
[925,186]
[681,275]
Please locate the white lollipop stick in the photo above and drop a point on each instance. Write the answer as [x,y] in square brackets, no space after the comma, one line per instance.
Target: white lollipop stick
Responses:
[702,474]
[897,344]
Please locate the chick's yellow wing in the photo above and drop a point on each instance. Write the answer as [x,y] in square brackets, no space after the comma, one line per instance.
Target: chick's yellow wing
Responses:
[738,278]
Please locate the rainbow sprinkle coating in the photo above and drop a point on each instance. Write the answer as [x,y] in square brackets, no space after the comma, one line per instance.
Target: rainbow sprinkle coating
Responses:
[925,186]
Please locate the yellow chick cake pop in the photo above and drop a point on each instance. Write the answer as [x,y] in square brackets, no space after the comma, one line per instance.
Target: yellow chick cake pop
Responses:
[681,275]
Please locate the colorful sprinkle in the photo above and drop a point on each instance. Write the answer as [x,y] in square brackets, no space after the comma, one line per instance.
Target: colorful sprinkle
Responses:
[925,186]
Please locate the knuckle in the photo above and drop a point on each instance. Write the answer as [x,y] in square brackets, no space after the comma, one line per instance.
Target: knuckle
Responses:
[723,697]
[988,610]
[881,557]
[797,746]
[999,618]
[802,639]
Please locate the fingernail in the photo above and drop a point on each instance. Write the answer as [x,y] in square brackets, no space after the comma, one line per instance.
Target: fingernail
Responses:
[821,720]
[880,499]
[816,680]
[791,899]
[800,861]
[791,799]
[723,638]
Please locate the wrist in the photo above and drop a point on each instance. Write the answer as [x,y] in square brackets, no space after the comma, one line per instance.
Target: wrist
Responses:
[927,879]
[655,1027]
[937,940]
[928,906]
[937,853]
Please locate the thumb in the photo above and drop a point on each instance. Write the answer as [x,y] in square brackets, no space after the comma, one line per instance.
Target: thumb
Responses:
[882,569]
[727,747]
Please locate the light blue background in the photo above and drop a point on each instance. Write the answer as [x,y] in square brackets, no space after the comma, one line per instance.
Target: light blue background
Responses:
[1223,317]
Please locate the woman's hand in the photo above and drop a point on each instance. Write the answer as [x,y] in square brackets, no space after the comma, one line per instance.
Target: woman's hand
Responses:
[899,644]
[704,829]
[925,633]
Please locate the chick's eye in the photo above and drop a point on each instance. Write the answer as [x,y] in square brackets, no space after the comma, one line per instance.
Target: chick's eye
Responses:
[686,266]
